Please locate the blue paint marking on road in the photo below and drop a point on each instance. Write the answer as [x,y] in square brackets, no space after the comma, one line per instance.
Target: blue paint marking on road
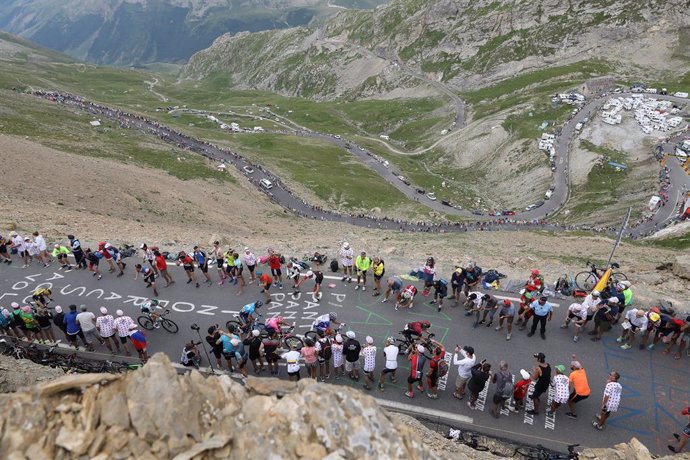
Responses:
[622,421]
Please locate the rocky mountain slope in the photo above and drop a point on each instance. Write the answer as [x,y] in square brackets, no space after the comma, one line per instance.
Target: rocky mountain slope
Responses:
[156,413]
[468,43]
[130,32]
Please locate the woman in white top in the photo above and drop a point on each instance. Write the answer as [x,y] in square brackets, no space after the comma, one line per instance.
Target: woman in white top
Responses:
[390,351]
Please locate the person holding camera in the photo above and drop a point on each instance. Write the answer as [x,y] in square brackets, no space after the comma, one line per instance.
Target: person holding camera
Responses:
[216,348]
[191,355]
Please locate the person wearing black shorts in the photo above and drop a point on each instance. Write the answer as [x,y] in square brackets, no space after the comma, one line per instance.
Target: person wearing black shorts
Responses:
[149,277]
[4,255]
[542,376]
[216,348]
[270,345]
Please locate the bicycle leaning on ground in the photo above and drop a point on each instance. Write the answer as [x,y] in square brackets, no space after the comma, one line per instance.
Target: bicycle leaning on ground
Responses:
[586,281]
[542,453]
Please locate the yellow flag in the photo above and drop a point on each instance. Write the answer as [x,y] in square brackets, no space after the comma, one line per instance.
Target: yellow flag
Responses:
[603,282]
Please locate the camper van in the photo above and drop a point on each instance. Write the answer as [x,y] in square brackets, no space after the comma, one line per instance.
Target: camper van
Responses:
[548,194]
[266,184]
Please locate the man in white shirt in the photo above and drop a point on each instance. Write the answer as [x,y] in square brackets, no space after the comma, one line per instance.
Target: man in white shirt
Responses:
[347,259]
[87,322]
[611,400]
[635,320]
[250,262]
[390,351]
[42,249]
[17,242]
[591,304]
[577,313]
[293,367]
[465,365]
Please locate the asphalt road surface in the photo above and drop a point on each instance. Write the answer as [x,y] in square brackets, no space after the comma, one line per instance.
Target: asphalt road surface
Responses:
[655,385]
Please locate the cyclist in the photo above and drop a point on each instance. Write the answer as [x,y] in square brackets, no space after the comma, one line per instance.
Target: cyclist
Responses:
[40,295]
[247,312]
[274,324]
[324,322]
[149,308]
[415,329]
[406,297]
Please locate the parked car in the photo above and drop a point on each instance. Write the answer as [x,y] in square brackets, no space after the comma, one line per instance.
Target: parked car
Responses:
[478,212]
[421,191]
[509,213]
[431,196]
[530,207]
[539,203]
[446,203]
[248,169]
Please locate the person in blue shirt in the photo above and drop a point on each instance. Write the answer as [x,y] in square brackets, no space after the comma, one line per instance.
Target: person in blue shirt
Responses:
[202,262]
[542,311]
[233,348]
[73,328]
[247,312]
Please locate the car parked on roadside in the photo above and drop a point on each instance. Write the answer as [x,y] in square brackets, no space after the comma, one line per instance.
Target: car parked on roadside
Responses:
[248,169]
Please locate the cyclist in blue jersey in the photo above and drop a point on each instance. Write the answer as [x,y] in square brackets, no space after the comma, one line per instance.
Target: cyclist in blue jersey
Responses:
[324,322]
[247,312]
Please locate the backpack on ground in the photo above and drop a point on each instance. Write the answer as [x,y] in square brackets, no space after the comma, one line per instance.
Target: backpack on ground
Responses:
[334,265]
[442,368]
[326,351]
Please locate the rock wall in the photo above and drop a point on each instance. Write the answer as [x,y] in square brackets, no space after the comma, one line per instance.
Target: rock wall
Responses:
[154,413]
[16,375]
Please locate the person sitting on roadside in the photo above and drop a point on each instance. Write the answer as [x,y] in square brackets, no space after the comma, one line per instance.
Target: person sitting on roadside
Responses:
[191,355]
[635,320]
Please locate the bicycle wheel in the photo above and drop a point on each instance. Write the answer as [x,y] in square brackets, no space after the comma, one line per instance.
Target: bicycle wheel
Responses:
[293,342]
[618,276]
[529,452]
[169,325]
[233,324]
[402,346]
[313,335]
[145,322]
[585,281]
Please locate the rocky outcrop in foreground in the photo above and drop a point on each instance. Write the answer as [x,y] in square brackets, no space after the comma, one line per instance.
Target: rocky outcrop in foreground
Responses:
[154,413]
[18,375]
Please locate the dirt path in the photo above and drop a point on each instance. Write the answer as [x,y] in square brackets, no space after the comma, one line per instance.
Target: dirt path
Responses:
[152,85]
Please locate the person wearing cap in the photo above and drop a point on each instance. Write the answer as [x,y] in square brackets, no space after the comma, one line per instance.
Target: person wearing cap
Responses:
[520,390]
[577,313]
[6,325]
[293,366]
[463,358]
[148,257]
[347,259]
[217,254]
[656,322]
[604,317]
[254,345]
[188,264]
[457,279]
[415,354]
[472,276]
[682,333]
[489,306]
[87,323]
[406,297]
[274,263]
[61,253]
[32,251]
[338,357]
[433,375]
[293,273]
[250,262]
[362,265]
[122,323]
[683,437]
[212,337]
[624,287]
[105,324]
[378,269]
[201,259]
[611,400]
[635,320]
[507,314]
[542,311]
[581,390]
[561,384]
[473,302]
[591,304]
[77,252]
[369,354]
[390,351]
[138,339]
[351,350]
[32,330]
[59,319]
[190,355]
[107,255]
[542,379]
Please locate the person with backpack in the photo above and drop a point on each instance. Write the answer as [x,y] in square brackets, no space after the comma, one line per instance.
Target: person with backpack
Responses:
[115,256]
[438,368]
[202,263]
[472,275]
[504,388]
[379,270]
[481,373]
[415,354]
[440,292]
[325,352]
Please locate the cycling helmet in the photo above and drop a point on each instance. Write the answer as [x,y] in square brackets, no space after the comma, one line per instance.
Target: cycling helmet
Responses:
[426,324]
[308,342]
[280,319]
[258,303]
[333,316]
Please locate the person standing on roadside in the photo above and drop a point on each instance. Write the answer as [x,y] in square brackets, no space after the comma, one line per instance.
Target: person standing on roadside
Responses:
[254,343]
[325,353]
[521,389]
[577,313]
[275,264]
[148,257]
[59,319]
[265,282]
[77,252]
[436,368]
[73,328]
[40,243]
[138,339]
[440,292]
[481,373]
[61,253]
[162,266]
[612,398]
[202,263]
[217,254]
[347,259]
[581,391]
[605,316]
[270,346]
[188,264]
[465,364]
[560,383]
[337,348]
[369,355]
[362,264]
[310,355]
[635,320]
[123,323]
[351,350]
[504,388]
[542,311]
[457,279]
[293,367]
[216,348]
[250,262]
[390,351]
[507,314]
[378,270]
[542,378]
[106,328]
[489,307]
[87,323]
[417,360]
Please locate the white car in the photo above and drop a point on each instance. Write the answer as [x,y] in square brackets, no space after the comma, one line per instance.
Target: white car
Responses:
[431,196]
[248,170]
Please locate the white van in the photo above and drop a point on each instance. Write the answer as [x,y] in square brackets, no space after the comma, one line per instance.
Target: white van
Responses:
[265,183]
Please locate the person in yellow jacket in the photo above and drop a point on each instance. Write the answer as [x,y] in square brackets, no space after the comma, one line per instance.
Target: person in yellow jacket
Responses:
[362,264]
[379,271]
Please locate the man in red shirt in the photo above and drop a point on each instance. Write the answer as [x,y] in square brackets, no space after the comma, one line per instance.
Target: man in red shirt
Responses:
[162,267]
[265,281]
[274,264]
[433,375]
[520,390]
[188,264]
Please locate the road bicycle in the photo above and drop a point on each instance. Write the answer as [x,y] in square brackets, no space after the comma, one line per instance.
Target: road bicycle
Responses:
[149,323]
[586,281]
[466,438]
[240,324]
[330,332]
[405,343]
[542,453]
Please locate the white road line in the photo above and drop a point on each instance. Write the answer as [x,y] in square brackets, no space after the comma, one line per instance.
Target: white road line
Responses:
[408,408]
